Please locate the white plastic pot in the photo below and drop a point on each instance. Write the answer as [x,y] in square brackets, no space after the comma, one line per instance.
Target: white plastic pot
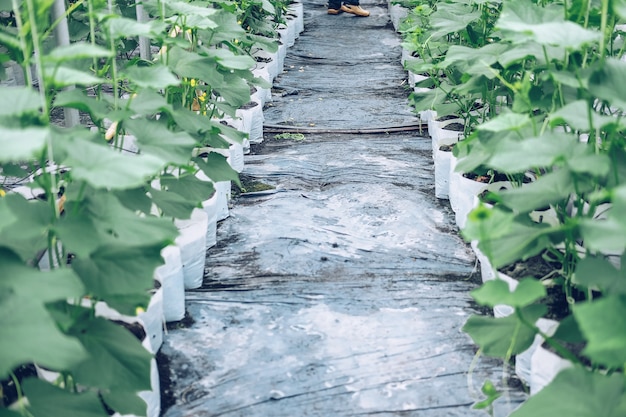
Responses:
[296,9]
[223,190]
[442,173]
[397,14]
[173,283]
[210,207]
[461,193]
[523,361]
[252,122]
[192,245]
[545,366]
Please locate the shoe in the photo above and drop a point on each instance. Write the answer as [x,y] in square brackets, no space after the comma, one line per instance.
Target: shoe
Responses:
[335,11]
[355,9]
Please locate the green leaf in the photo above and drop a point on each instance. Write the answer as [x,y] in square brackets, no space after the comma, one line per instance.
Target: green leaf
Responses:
[505,238]
[27,331]
[492,394]
[27,236]
[172,204]
[149,102]
[100,219]
[7,217]
[548,189]
[229,60]
[619,8]
[22,144]
[46,400]
[77,50]
[495,292]
[606,83]
[598,273]
[475,61]
[122,28]
[502,337]
[577,392]
[121,276]
[188,186]
[516,156]
[125,403]
[544,25]
[155,76]
[607,235]
[23,100]
[505,121]
[77,99]
[157,140]
[103,167]
[217,168]
[60,76]
[451,18]
[570,115]
[603,322]
[117,360]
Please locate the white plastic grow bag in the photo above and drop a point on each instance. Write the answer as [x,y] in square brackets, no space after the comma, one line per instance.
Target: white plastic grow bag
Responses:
[173,283]
[442,173]
[223,190]
[192,245]
[211,209]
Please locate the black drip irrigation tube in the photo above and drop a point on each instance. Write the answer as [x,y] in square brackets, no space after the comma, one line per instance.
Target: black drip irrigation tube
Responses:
[355,131]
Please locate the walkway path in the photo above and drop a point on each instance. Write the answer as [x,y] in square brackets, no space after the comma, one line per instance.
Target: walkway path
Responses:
[343,293]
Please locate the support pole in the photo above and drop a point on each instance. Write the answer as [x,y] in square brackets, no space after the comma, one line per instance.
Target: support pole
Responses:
[62,35]
[144,43]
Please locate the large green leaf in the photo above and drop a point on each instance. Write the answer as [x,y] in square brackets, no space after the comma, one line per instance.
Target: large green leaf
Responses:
[544,25]
[27,331]
[595,272]
[22,144]
[46,400]
[229,60]
[577,392]
[77,50]
[157,140]
[217,168]
[505,238]
[59,76]
[125,403]
[100,219]
[122,27]
[606,83]
[188,186]
[155,76]
[451,18]
[148,102]
[475,61]
[78,99]
[117,360]
[103,167]
[121,276]
[172,205]
[515,156]
[548,189]
[28,235]
[570,114]
[502,337]
[506,121]
[495,292]
[603,322]
[23,100]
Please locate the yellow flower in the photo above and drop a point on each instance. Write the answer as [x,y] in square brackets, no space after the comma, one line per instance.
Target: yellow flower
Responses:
[202,97]
[192,82]
[2,192]
[139,310]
